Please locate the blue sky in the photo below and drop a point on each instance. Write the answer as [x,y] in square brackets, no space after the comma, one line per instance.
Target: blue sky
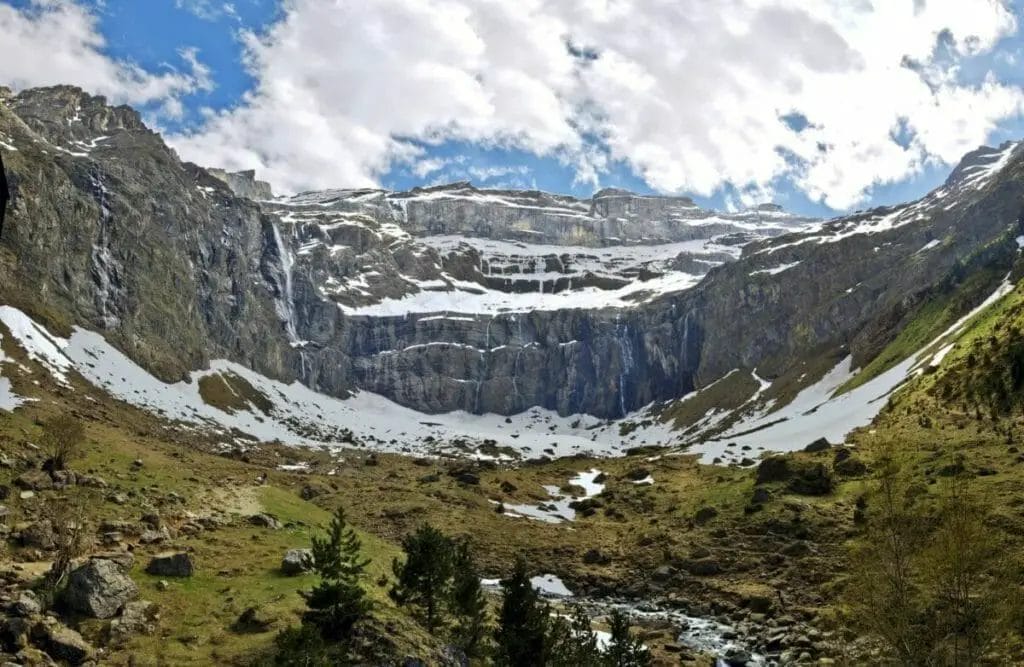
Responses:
[612,134]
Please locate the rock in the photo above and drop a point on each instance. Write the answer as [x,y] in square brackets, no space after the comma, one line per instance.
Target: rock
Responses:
[265,521]
[34,480]
[812,480]
[117,498]
[704,514]
[25,605]
[61,642]
[92,481]
[309,492]
[38,535]
[850,466]
[429,478]
[702,567]
[171,564]
[253,620]
[99,588]
[596,557]
[152,519]
[469,478]
[663,573]
[819,445]
[760,496]
[297,561]
[154,536]
[773,469]
[27,495]
[162,585]
[138,618]
[796,549]
[842,453]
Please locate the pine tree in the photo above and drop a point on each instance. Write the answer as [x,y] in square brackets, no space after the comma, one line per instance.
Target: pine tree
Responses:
[467,601]
[573,641]
[338,601]
[425,576]
[624,650]
[522,630]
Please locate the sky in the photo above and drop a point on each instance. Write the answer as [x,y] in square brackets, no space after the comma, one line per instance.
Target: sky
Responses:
[823,106]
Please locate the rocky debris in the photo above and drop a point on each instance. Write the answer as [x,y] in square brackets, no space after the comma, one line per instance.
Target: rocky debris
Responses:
[138,617]
[61,642]
[297,561]
[265,521]
[99,588]
[171,564]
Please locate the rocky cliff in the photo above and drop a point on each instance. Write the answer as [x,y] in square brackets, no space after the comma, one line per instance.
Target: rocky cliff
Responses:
[454,298]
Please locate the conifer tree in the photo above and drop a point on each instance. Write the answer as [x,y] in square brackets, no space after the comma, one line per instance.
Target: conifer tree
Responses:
[624,650]
[468,604]
[573,641]
[424,577]
[521,635]
[338,601]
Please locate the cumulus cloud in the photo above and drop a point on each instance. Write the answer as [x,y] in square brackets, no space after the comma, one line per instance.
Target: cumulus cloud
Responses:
[691,95]
[52,42]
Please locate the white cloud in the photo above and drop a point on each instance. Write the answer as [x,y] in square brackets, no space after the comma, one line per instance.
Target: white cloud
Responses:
[52,42]
[689,93]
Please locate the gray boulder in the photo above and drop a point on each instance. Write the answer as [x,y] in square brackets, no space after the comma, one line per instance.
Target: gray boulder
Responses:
[171,564]
[61,642]
[99,588]
[138,617]
[297,561]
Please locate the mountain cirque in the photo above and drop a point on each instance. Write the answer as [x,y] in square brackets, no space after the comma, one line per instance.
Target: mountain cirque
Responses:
[452,298]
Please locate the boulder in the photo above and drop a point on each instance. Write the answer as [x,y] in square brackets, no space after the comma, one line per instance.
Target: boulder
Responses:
[297,561]
[154,536]
[596,557]
[704,514]
[138,618]
[25,605]
[61,642]
[265,521]
[819,445]
[254,621]
[851,466]
[34,480]
[773,469]
[171,564]
[99,588]
[38,535]
[812,480]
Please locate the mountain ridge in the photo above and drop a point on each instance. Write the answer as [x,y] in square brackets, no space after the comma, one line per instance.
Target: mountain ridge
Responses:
[345,290]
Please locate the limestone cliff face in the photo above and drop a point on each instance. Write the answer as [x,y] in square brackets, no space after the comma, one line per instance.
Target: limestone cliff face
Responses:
[454,298]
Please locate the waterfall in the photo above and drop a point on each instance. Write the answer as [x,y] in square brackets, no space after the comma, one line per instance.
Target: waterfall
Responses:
[625,359]
[286,303]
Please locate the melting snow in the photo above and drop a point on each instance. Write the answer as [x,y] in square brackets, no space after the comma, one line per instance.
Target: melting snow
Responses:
[558,508]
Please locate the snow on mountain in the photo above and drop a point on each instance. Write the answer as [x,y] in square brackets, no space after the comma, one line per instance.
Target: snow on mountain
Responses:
[456,248]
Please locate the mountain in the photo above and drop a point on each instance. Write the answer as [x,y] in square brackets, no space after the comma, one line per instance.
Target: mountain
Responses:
[450,299]
[519,369]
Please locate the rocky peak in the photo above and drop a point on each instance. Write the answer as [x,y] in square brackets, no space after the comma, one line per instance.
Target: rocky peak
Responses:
[66,113]
[244,184]
[980,164]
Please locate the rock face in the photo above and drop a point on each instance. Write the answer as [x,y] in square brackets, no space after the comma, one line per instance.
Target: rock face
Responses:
[454,298]
[99,588]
